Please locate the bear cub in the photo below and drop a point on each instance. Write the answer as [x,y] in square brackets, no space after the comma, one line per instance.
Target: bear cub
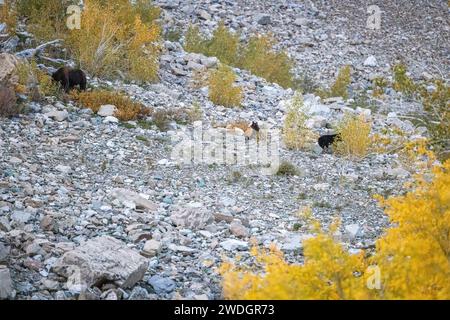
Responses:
[326,141]
[70,78]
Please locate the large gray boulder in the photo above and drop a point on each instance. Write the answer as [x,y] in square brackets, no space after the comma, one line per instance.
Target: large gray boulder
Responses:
[100,260]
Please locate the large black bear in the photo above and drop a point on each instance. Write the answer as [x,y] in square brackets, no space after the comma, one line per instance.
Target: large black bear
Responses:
[70,78]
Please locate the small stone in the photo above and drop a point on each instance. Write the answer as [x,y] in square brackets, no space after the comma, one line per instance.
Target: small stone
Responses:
[21,216]
[371,61]
[107,110]
[162,285]
[4,252]
[110,119]
[63,169]
[151,248]
[58,115]
[263,19]
[233,245]
[238,230]
[352,230]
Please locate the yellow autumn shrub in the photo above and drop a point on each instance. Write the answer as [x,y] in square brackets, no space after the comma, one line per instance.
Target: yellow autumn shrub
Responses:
[340,86]
[127,109]
[222,90]
[354,137]
[411,260]
[116,39]
[296,135]
[8,15]
[261,59]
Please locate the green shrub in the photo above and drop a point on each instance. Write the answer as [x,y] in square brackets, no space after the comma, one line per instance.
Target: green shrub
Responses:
[296,134]
[257,56]
[261,59]
[287,169]
[339,87]
[222,90]
[402,83]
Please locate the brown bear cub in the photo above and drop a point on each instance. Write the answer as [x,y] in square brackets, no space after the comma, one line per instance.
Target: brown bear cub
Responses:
[70,78]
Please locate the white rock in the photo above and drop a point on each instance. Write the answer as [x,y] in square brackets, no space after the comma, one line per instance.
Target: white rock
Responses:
[107,110]
[58,115]
[233,245]
[371,61]
[127,196]
[352,230]
[151,248]
[294,241]
[110,119]
[63,169]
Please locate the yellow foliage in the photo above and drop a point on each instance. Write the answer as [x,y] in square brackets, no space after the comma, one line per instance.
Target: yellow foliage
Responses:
[379,84]
[414,257]
[127,109]
[261,59]
[113,38]
[340,86]
[411,261]
[46,18]
[354,137]
[222,90]
[34,82]
[295,133]
[8,15]
[258,56]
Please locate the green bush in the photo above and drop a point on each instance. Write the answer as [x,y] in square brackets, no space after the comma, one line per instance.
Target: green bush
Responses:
[222,90]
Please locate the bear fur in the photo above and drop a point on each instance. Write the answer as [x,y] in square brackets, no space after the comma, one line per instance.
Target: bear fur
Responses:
[70,78]
[326,141]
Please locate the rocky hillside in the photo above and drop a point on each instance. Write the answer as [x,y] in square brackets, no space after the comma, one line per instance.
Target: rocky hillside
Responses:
[95,208]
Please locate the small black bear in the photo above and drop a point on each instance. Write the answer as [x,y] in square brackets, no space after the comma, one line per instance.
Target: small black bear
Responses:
[326,141]
[70,78]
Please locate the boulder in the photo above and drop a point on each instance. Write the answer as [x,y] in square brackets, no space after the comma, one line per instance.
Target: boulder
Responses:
[8,64]
[100,260]
[194,215]
[133,200]
[107,110]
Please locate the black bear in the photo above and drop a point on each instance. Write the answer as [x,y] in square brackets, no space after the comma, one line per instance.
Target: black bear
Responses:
[70,78]
[327,140]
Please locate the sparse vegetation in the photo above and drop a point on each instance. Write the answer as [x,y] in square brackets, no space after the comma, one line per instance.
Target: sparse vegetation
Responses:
[379,85]
[8,15]
[295,133]
[339,87]
[261,59]
[8,102]
[34,82]
[287,169]
[257,56]
[354,137]
[402,82]
[222,90]
[127,109]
